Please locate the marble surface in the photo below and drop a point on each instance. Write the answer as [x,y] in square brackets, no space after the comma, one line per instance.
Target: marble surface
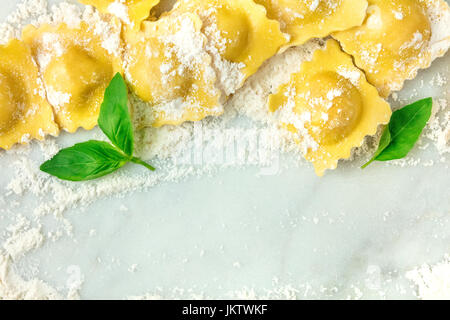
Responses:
[350,234]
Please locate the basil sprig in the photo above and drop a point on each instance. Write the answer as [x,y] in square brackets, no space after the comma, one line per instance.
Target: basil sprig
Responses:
[94,159]
[403,131]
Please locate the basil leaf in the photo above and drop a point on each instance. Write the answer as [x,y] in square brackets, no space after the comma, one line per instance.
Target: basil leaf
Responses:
[114,118]
[95,159]
[403,131]
[85,161]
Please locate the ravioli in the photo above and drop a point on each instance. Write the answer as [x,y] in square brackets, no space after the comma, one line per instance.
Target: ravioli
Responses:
[395,40]
[304,20]
[331,106]
[240,35]
[24,112]
[76,70]
[131,12]
[167,66]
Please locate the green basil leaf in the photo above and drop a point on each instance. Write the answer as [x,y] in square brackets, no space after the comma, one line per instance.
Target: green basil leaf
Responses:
[114,119]
[85,161]
[406,127]
[403,131]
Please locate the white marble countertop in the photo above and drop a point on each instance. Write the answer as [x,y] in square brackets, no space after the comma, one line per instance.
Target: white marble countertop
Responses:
[350,234]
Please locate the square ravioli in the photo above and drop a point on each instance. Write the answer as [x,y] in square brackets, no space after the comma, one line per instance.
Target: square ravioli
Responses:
[130,12]
[330,106]
[24,112]
[398,38]
[305,20]
[76,69]
[240,37]
[166,65]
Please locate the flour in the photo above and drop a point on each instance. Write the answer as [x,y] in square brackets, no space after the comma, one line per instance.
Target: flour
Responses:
[57,98]
[37,13]
[438,129]
[28,11]
[439,43]
[22,242]
[230,76]
[107,29]
[178,152]
[251,99]
[432,281]
[278,292]
[229,73]
[22,239]
[440,37]
[14,287]
[186,58]
[120,10]
[188,46]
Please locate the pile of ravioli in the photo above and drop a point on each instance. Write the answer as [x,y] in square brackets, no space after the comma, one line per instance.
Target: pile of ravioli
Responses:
[185,65]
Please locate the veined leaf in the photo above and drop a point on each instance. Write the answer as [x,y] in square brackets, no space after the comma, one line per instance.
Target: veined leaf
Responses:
[403,131]
[114,119]
[85,161]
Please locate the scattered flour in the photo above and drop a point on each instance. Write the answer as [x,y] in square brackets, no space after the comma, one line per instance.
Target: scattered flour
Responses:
[440,38]
[22,237]
[432,281]
[14,287]
[120,10]
[186,55]
[278,292]
[174,150]
[57,98]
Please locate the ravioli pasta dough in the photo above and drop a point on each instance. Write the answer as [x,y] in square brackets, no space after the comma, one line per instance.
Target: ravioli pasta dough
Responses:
[168,67]
[240,35]
[184,65]
[330,102]
[131,12]
[304,20]
[76,70]
[395,40]
[24,112]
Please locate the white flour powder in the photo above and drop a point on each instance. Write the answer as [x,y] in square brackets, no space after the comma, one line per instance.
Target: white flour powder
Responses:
[432,281]
[173,150]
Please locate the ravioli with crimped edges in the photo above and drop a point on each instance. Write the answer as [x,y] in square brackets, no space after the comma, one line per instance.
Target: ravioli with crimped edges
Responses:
[131,12]
[396,40]
[24,112]
[76,70]
[304,20]
[332,105]
[240,35]
[167,66]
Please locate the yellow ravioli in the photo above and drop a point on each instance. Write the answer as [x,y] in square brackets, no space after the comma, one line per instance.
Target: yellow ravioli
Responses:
[304,20]
[76,70]
[131,12]
[240,35]
[24,112]
[394,41]
[167,66]
[331,105]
